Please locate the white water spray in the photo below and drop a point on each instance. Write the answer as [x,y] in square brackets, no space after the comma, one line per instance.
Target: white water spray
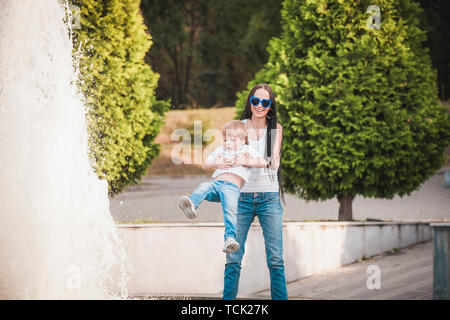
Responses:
[57,237]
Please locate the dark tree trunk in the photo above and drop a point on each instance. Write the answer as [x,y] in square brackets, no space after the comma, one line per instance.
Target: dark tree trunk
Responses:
[176,82]
[190,52]
[345,208]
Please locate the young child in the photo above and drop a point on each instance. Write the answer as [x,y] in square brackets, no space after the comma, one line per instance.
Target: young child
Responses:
[232,161]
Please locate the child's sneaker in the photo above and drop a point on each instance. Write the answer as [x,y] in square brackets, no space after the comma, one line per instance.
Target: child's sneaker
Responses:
[187,206]
[230,245]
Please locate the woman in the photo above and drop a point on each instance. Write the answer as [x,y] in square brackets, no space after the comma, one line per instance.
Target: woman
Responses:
[260,196]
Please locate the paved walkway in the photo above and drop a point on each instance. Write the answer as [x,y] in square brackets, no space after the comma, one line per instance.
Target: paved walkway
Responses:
[406,274]
[156,199]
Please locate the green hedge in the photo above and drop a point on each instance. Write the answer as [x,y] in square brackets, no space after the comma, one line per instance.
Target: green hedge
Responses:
[123,115]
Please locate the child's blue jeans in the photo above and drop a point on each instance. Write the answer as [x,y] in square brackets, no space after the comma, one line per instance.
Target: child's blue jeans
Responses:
[227,194]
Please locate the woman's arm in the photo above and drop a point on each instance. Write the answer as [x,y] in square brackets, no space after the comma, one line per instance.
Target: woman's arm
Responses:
[260,162]
[277,148]
[218,163]
[248,161]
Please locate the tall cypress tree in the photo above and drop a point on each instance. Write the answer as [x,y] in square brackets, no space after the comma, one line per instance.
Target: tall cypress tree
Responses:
[358,104]
[124,117]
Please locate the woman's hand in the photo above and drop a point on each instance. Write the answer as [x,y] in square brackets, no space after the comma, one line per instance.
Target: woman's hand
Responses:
[243,159]
[219,163]
[246,160]
[225,163]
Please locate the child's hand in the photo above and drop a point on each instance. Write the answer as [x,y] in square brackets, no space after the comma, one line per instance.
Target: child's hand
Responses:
[224,163]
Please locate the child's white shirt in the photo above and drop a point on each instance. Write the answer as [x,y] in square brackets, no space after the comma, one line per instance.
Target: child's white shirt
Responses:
[243,172]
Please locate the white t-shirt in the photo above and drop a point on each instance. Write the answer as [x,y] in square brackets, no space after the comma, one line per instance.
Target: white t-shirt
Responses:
[243,172]
[261,179]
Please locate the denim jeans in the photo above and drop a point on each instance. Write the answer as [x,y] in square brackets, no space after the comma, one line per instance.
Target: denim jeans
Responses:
[227,194]
[267,207]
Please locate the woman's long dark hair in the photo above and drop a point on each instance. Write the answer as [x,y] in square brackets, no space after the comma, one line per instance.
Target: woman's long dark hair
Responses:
[272,120]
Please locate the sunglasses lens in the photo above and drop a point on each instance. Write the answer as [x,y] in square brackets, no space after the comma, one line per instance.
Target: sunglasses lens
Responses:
[254,101]
[265,103]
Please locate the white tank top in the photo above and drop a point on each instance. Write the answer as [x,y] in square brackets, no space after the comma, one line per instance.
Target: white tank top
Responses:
[261,179]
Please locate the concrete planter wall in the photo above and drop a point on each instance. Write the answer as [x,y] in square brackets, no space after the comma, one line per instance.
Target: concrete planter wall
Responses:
[441,260]
[187,259]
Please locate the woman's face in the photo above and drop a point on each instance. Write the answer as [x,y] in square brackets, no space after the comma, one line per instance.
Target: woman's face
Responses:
[259,111]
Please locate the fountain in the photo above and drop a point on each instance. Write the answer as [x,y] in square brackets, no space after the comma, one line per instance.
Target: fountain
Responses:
[57,237]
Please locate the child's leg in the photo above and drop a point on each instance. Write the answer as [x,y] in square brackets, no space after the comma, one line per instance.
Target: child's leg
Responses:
[204,191]
[229,197]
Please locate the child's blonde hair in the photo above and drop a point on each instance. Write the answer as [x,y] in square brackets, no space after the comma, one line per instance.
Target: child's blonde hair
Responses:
[235,128]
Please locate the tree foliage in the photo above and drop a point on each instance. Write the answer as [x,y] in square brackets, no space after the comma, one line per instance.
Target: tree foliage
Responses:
[208,50]
[435,21]
[123,115]
[359,106]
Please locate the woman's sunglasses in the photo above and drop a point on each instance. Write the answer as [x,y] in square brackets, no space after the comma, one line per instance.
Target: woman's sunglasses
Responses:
[264,102]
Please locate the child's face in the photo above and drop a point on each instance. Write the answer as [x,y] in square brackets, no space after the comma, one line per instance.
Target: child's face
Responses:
[233,143]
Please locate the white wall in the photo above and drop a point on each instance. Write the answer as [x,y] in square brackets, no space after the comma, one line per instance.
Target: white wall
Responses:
[187,259]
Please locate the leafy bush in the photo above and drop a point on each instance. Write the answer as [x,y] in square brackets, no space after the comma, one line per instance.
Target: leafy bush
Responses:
[123,115]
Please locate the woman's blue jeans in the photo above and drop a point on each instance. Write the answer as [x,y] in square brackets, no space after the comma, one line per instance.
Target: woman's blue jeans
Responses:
[267,207]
